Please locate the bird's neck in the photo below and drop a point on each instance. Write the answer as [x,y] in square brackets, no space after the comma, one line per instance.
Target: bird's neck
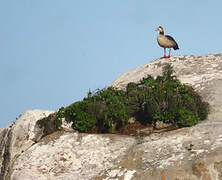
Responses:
[162,32]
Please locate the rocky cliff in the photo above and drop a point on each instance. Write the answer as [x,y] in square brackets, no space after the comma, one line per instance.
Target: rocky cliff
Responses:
[188,153]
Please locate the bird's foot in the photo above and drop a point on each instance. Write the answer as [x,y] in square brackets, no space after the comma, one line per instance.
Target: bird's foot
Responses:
[165,57]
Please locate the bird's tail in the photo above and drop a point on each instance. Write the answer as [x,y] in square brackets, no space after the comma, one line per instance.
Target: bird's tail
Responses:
[176,47]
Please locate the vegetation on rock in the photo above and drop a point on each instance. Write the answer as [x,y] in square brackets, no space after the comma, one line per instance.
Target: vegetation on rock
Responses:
[152,99]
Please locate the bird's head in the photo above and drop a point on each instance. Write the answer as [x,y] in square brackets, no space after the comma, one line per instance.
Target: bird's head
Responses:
[160,29]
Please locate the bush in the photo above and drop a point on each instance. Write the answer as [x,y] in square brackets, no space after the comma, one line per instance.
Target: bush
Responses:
[166,99]
[150,100]
[103,109]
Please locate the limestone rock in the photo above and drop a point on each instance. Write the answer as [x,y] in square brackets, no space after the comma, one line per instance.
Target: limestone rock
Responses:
[188,153]
[132,120]
[19,137]
[161,125]
[71,156]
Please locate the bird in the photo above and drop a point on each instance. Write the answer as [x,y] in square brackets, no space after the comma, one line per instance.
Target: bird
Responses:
[166,41]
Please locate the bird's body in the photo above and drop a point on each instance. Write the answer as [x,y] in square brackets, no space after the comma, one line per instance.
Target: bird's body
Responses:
[166,41]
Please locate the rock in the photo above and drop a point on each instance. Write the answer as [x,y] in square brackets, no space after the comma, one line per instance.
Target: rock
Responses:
[161,125]
[18,137]
[71,156]
[132,120]
[188,153]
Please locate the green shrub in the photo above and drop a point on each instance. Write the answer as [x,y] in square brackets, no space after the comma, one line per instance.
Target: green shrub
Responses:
[166,99]
[103,109]
[150,100]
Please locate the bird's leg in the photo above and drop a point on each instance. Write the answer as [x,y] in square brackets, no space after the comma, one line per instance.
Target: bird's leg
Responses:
[164,54]
[169,53]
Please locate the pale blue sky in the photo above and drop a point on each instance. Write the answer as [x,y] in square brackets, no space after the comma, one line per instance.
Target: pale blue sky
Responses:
[53,51]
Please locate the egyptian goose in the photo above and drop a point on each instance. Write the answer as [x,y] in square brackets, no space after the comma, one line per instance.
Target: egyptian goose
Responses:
[166,41]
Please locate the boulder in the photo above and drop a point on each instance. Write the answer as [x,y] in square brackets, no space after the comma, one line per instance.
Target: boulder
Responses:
[188,153]
[19,137]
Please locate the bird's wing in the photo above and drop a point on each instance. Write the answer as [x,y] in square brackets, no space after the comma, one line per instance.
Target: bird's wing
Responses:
[175,47]
[170,38]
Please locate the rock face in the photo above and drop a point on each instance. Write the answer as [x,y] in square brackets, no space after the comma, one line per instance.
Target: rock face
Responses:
[184,154]
[18,137]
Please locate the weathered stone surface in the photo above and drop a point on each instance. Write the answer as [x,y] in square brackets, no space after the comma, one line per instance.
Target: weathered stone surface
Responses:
[185,154]
[18,137]
[161,125]
[71,156]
